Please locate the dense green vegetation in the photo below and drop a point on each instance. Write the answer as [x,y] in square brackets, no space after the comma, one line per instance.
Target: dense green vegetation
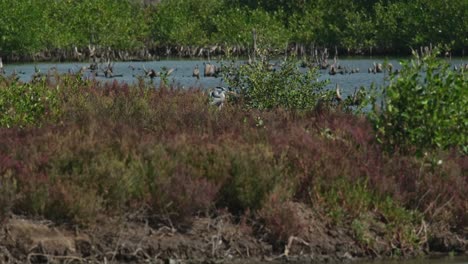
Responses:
[28,27]
[286,87]
[425,106]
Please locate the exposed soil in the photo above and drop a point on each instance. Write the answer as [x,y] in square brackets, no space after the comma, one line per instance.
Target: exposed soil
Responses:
[208,240]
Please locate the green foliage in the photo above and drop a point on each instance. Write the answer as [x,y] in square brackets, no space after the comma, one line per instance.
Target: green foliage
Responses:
[27,104]
[271,33]
[183,22]
[28,27]
[392,33]
[346,201]
[165,76]
[305,25]
[264,88]
[254,172]
[360,31]
[20,23]
[437,22]
[425,106]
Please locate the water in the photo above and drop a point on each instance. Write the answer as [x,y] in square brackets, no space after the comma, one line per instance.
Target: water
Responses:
[441,260]
[182,76]
[445,260]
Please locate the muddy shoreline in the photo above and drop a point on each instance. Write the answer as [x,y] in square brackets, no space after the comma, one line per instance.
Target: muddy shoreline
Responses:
[222,238]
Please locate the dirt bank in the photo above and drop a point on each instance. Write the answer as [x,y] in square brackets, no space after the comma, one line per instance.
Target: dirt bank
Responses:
[206,240]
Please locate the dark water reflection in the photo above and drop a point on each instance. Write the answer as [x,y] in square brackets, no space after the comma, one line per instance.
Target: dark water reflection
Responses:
[182,76]
[440,260]
[445,260]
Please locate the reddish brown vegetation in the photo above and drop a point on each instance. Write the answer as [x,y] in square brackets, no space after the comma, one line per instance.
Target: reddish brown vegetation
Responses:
[118,149]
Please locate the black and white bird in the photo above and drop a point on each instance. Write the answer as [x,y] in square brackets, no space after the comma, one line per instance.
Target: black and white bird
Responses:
[218,96]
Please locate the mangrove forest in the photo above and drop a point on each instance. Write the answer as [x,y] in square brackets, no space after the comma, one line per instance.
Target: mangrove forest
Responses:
[62,29]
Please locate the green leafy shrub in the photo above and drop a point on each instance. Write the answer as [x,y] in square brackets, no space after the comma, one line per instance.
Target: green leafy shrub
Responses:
[287,87]
[27,104]
[425,106]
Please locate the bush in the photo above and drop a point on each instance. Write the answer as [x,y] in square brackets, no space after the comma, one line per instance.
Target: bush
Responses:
[425,106]
[253,173]
[287,87]
[27,104]
[282,218]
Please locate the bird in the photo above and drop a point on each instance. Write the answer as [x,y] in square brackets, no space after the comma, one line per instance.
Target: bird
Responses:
[196,72]
[218,96]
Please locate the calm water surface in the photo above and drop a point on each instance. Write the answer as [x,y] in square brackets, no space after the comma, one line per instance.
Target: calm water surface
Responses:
[443,260]
[182,76]
[446,260]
